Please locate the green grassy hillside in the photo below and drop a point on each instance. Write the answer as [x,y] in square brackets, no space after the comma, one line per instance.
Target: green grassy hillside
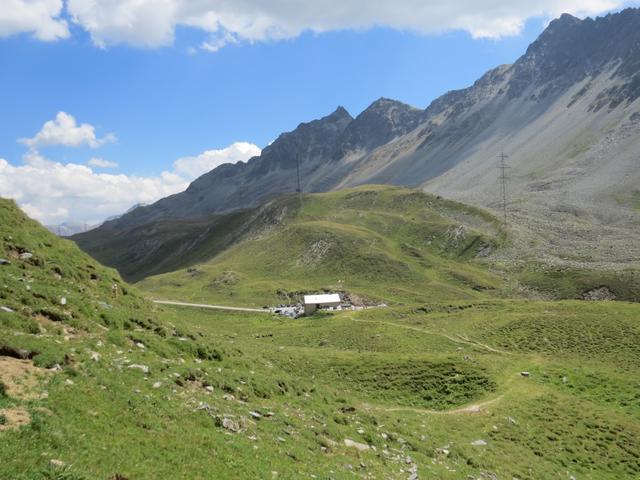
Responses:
[381,244]
[164,245]
[105,386]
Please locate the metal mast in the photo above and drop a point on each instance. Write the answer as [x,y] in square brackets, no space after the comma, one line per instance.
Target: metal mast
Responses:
[298,189]
[502,166]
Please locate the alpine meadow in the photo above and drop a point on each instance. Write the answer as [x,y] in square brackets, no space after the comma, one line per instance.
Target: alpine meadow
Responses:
[449,292]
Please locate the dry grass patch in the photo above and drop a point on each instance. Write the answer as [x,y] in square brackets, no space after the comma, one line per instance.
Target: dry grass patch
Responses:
[21,378]
[14,418]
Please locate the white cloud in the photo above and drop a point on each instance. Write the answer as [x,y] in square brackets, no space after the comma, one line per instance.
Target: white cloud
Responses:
[52,192]
[101,163]
[151,23]
[65,131]
[41,18]
[193,167]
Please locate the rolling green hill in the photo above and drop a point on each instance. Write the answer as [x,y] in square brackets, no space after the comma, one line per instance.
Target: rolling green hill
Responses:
[375,243]
[104,385]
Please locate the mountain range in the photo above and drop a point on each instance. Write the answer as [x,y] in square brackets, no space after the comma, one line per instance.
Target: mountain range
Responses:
[567,114]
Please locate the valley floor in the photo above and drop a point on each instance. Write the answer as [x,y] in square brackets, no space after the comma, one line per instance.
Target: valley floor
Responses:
[410,392]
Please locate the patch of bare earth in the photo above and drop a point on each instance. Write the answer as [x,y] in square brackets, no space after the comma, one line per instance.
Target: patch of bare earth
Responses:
[21,378]
[14,418]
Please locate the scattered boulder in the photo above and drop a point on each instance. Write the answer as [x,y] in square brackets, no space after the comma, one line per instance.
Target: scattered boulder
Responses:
[6,309]
[144,368]
[479,443]
[57,463]
[357,445]
[230,424]
[525,374]
[600,294]
[25,256]
[4,261]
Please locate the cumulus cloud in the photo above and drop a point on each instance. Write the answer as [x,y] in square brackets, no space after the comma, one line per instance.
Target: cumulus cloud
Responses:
[192,167]
[152,23]
[101,163]
[65,131]
[41,18]
[52,192]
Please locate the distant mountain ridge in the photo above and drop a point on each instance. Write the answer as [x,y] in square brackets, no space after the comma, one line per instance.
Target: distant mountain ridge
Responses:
[567,113]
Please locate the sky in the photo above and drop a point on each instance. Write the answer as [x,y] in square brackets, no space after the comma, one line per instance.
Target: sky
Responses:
[111,103]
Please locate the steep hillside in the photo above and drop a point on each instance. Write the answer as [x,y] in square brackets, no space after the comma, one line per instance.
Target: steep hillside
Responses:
[166,244]
[378,243]
[567,113]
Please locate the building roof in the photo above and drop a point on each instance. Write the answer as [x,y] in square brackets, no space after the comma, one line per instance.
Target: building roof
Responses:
[316,299]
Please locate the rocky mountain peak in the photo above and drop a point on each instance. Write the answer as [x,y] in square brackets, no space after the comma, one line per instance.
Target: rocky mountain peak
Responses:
[378,124]
[571,50]
[339,114]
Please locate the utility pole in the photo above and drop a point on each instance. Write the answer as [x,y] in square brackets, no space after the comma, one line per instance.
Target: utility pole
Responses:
[502,166]
[298,189]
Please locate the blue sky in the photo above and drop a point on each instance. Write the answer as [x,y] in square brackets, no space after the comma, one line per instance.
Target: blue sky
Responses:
[161,92]
[166,103]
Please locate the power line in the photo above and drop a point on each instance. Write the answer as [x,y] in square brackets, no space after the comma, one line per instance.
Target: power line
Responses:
[502,166]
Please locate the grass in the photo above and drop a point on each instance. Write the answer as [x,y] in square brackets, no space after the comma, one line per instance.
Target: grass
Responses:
[141,391]
[571,283]
[381,244]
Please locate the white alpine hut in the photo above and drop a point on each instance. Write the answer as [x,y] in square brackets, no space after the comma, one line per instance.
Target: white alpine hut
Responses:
[314,302]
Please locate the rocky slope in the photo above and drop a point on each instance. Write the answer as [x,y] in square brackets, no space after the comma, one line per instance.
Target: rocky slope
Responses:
[567,113]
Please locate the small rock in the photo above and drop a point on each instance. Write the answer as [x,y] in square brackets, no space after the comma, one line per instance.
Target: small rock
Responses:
[57,463]
[479,443]
[525,374]
[26,256]
[208,388]
[95,356]
[256,415]
[6,309]
[63,301]
[144,368]
[4,261]
[68,381]
[140,345]
[357,445]
[157,385]
[228,424]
